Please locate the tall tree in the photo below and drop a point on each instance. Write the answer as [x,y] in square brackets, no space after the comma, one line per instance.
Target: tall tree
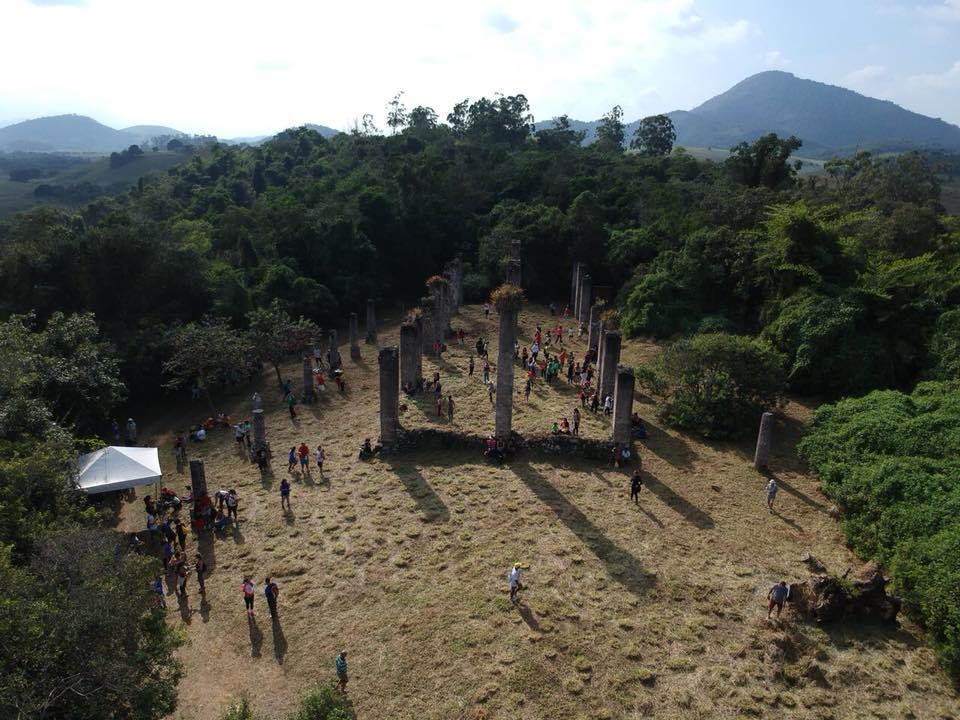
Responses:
[396,113]
[765,162]
[274,335]
[655,135]
[611,130]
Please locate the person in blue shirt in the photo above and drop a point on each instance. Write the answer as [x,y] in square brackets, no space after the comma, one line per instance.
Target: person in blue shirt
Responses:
[341,664]
[778,593]
[285,494]
[157,587]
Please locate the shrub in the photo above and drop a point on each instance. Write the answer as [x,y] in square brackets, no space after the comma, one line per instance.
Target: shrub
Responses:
[323,703]
[889,461]
[716,385]
[476,287]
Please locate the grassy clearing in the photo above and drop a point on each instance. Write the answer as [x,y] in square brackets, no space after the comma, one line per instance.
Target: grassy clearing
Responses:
[654,610]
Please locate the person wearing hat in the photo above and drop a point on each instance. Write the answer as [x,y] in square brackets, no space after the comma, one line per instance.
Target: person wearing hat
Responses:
[341,665]
[515,584]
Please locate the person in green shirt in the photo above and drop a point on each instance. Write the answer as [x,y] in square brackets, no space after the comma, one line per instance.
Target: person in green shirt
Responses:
[291,401]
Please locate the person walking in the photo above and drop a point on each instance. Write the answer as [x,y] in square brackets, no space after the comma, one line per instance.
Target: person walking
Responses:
[200,568]
[341,665]
[232,502]
[292,459]
[595,402]
[131,431]
[778,593]
[248,588]
[607,405]
[576,421]
[526,389]
[285,494]
[515,585]
[771,493]
[271,591]
[486,372]
[636,482]
[450,407]
[470,366]
[167,555]
[303,452]
[291,400]
[182,534]
[157,587]
[321,456]
[183,570]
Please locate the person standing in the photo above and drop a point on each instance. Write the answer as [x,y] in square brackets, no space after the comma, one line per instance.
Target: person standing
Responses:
[595,402]
[247,433]
[183,570]
[771,493]
[131,431]
[167,555]
[271,591]
[778,593]
[292,459]
[157,587]
[636,482]
[470,366]
[450,407]
[486,372]
[248,588]
[232,502]
[285,494]
[526,389]
[291,400]
[303,452]
[515,584]
[321,456]
[341,665]
[200,568]
[576,421]
[182,534]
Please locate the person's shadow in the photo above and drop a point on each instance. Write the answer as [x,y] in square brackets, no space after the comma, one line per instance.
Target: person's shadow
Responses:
[204,609]
[256,637]
[279,641]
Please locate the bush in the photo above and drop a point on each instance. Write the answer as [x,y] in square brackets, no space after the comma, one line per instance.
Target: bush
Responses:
[324,703]
[476,287]
[715,385]
[889,460]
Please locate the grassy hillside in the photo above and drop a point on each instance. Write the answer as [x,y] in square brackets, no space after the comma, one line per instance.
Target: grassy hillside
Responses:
[656,610]
[18,196]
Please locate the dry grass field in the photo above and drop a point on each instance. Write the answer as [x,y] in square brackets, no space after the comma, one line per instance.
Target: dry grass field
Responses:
[656,610]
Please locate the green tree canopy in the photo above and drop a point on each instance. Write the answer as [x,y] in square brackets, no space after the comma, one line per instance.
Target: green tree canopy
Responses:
[655,135]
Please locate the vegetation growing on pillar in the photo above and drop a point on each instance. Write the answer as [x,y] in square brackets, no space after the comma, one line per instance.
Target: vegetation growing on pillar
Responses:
[436,283]
[507,298]
[610,318]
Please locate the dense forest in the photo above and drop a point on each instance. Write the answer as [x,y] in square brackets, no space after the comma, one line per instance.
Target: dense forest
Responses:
[829,286]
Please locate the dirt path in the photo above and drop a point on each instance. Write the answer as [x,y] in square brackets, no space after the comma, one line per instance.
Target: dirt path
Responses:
[654,610]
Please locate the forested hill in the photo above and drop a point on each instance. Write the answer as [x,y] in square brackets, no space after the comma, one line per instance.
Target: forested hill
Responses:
[831,120]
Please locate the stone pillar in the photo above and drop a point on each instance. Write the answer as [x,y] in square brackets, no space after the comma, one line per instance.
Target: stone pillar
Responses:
[354,337]
[623,406]
[764,440]
[409,349]
[427,325]
[575,308]
[514,275]
[504,398]
[308,393]
[608,368]
[198,479]
[585,300]
[595,329]
[333,352]
[418,349]
[371,321]
[260,431]
[389,360]
[574,286]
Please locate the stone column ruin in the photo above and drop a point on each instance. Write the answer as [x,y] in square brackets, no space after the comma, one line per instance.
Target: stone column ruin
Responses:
[371,321]
[608,366]
[260,431]
[389,361]
[574,285]
[308,392]
[504,398]
[585,299]
[623,406]
[333,352]
[354,337]
[427,325]
[764,440]
[409,353]
[595,330]
[514,274]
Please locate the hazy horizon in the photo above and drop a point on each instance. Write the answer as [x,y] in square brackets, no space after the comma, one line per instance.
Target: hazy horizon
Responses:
[240,68]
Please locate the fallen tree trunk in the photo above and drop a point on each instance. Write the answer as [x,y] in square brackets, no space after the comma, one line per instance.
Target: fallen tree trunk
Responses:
[826,598]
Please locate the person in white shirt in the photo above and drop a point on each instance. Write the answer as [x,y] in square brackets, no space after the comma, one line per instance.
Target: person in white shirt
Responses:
[320,458]
[515,584]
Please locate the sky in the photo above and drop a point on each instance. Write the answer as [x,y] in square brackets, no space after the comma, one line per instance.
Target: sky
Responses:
[251,67]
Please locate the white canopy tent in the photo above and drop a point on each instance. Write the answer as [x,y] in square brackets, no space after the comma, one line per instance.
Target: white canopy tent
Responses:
[118,468]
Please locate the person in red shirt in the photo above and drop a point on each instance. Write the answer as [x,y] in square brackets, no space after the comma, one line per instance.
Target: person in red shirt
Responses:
[303,452]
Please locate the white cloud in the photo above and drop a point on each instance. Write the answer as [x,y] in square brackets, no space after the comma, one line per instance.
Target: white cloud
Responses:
[775,59]
[241,67]
[944,11]
[946,80]
[865,75]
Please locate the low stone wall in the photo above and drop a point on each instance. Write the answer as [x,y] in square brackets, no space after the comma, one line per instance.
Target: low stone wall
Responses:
[551,445]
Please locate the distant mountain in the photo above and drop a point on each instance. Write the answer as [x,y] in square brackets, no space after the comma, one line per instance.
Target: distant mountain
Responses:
[62,133]
[78,133]
[830,120]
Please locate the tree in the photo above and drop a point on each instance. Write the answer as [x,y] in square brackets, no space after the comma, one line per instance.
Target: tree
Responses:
[274,335]
[210,353]
[610,131]
[81,637]
[421,120]
[655,135]
[561,135]
[764,162]
[396,113]
[716,385]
